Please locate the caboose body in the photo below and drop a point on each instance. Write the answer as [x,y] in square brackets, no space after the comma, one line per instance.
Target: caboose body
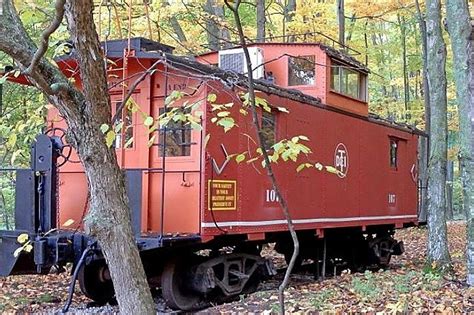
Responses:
[187,193]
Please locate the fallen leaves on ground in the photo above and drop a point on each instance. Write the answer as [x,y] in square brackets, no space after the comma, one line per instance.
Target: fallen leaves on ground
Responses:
[407,286]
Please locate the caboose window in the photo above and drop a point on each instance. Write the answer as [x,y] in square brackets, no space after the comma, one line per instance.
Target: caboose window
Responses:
[175,138]
[268,129]
[393,153]
[301,70]
[124,138]
[347,81]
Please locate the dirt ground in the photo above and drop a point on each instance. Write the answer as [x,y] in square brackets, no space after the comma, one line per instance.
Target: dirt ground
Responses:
[407,286]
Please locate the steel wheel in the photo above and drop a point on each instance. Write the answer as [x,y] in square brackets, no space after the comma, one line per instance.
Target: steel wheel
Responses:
[95,282]
[174,286]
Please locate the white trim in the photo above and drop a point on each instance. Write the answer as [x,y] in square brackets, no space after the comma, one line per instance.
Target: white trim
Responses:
[304,221]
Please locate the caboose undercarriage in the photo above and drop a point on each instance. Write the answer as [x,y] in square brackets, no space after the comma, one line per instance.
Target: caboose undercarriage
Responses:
[191,272]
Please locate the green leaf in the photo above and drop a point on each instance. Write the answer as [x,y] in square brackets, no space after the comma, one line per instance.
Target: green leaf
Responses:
[206,140]
[226,122]
[15,155]
[128,143]
[109,138]
[12,140]
[300,167]
[252,160]
[211,97]
[332,170]
[223,114]
[304,138]
[104,128]
[118,127]
[152,139]
[264,163]
[243,112]
[148,121]
[318,166]
[240,158]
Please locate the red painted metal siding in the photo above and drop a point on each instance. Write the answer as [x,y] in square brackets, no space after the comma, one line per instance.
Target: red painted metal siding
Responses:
[316,199]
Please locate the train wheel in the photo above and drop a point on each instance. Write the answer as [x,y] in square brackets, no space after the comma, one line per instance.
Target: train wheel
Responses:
[174,287]
[95,282]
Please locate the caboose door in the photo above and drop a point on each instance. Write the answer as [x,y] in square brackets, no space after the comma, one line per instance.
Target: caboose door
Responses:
[173,181]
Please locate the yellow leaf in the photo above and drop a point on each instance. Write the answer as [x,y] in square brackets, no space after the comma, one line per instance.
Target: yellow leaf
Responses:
[68,223]
[318,166]
[110,137]
[28,248]
[22,238]
[17,251]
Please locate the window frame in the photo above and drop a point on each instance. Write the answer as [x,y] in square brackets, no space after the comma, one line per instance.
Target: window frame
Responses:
[362,82]
[289,69]
[187,146]
[394,163]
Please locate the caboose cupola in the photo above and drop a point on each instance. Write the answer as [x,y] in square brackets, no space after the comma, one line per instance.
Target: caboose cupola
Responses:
[335,77]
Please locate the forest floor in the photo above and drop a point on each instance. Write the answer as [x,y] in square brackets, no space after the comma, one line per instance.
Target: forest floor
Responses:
[407,286]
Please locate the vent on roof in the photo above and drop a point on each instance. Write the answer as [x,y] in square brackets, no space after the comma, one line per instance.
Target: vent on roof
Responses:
[234,60]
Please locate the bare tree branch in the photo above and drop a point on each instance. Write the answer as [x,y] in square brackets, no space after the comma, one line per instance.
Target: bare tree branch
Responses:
[234,7]
[132,88]
[43,47]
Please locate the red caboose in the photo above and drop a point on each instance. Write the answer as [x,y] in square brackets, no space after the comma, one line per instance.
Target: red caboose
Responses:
[187,195]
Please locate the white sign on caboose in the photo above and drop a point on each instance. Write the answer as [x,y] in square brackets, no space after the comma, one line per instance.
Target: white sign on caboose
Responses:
[341,160]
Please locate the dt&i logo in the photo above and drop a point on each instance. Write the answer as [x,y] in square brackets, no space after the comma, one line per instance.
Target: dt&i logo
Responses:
[341,160]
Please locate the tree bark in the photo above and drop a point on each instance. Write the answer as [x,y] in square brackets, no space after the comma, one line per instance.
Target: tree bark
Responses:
[217,36]
[176,26]
[425,145]
[288,12]
[406,86]
[261,22]
[109,217]
[436,62]
[469,164]
[459,28]
[341,21]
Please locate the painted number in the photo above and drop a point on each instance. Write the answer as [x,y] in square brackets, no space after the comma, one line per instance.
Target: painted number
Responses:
[271,196]
[392,198]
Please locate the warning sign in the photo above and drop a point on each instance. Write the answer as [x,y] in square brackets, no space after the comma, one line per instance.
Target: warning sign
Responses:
[222,194]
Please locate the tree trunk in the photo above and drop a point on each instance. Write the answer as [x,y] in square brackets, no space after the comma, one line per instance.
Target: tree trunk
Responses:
[436,62]
[459,28]
[217,36]
[424,152]
[288,12]
[468,173]
[109,216]
[341,21]
[261,21]
[406,87]
[176,26]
